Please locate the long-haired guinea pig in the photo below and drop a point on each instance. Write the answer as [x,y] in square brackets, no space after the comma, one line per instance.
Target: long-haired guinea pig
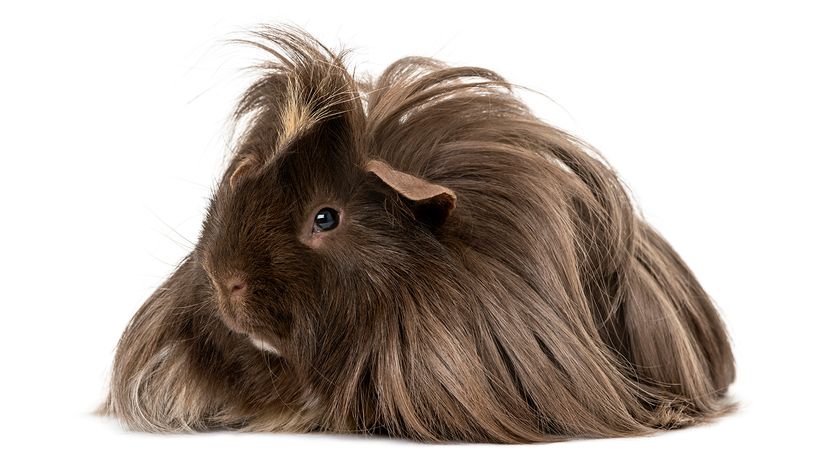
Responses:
[419,256]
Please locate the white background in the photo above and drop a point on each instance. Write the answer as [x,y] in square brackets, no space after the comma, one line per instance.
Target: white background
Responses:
[113,129]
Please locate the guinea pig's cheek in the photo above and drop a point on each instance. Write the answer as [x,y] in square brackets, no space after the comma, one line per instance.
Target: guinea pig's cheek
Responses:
[314,241]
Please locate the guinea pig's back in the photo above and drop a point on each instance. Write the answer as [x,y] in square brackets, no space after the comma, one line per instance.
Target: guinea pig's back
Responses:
[544,229]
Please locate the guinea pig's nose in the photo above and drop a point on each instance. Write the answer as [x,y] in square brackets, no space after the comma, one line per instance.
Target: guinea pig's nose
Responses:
[236,287]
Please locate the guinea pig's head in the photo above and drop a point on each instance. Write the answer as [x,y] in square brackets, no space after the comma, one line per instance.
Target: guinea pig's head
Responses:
[275,229]
[309,235]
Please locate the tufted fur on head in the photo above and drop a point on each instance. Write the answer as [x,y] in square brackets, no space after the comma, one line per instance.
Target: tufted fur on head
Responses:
[486,278]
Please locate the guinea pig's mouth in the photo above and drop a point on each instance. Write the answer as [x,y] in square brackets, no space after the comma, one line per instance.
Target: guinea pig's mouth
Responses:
[263,345]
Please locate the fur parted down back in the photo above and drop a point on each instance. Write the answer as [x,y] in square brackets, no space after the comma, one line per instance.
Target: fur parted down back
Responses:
[489,280]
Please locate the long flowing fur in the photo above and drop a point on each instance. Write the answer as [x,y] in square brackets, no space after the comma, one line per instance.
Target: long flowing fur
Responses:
[542,309]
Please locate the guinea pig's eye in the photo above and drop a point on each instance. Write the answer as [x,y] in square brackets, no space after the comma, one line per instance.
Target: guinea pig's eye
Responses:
[325,220]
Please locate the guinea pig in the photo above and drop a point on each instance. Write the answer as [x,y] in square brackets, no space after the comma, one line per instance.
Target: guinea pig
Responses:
[418,256]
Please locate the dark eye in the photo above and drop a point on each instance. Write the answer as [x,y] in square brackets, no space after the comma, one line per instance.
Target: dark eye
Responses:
[326,219]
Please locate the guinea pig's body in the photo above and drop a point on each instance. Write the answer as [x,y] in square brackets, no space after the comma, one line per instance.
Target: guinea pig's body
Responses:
[420,257]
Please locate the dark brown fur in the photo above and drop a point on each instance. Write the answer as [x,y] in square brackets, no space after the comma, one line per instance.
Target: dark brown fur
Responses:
[512,297]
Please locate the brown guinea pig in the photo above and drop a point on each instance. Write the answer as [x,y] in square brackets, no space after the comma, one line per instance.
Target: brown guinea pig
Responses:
[418,256]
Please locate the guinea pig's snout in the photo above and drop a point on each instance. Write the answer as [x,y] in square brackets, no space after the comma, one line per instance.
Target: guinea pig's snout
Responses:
[233,287]
[232,294]
[236,287]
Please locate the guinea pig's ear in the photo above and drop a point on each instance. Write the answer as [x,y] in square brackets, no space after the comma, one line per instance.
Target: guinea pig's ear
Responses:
[240,167]
[431,203]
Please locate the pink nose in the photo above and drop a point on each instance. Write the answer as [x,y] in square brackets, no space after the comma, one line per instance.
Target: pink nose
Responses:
[237,287]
